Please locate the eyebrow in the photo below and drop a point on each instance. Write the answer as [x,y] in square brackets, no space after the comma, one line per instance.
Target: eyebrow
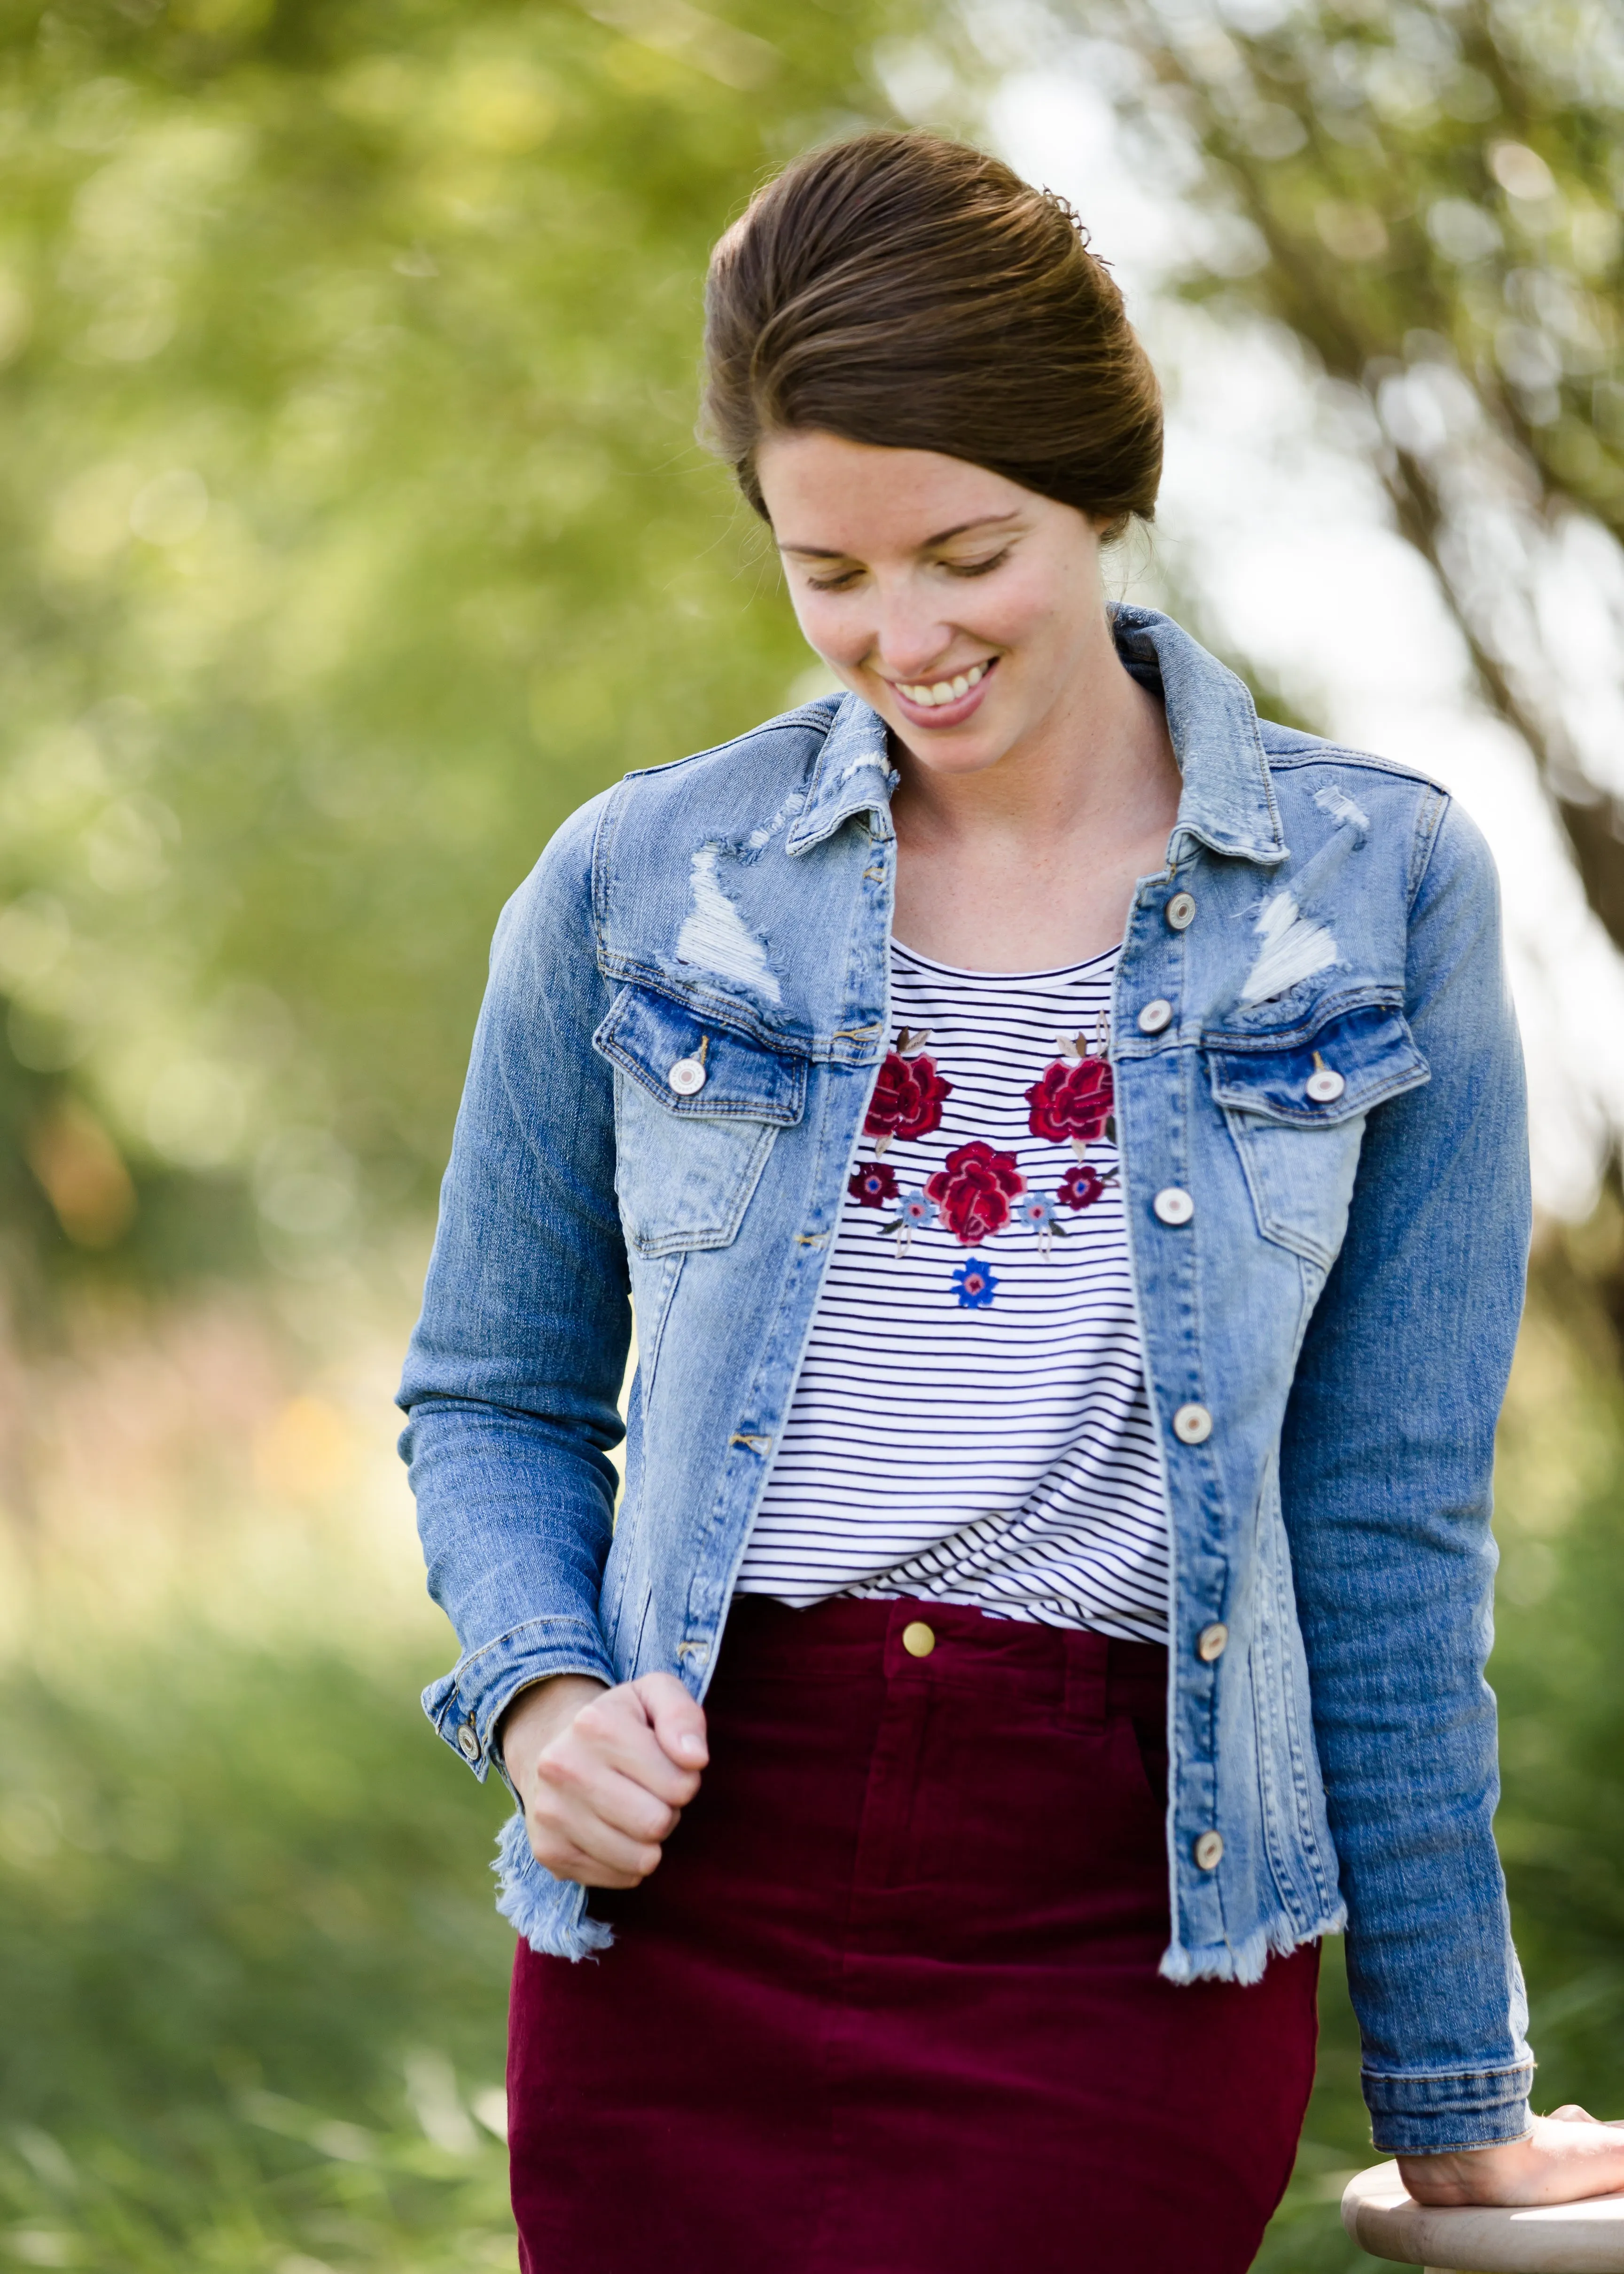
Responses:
[942,536]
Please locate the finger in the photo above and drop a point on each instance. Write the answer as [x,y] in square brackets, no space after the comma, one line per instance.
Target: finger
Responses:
[1570,2113]
[617,1731]
[679,1720]
[602,1845]
[573,1864]
[574,1788]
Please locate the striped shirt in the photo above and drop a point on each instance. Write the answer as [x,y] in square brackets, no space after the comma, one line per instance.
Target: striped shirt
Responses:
[970,1421]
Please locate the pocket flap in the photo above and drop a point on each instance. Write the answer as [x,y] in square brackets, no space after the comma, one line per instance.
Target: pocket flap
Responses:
[645,1035]
[1370,1048]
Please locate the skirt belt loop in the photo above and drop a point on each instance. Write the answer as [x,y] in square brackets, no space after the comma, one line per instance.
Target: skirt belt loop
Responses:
[1087,1680]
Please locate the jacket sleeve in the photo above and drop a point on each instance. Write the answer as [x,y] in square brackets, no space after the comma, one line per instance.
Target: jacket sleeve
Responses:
[1387,1457]
[514,1371]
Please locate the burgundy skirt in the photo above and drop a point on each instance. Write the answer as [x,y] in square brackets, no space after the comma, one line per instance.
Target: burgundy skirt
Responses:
[889,2004]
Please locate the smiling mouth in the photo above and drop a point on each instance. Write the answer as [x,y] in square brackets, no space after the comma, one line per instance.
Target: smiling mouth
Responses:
[930,696]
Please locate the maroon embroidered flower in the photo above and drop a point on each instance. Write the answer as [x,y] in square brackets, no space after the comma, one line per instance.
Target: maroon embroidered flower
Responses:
[1081,1185]
[974,1190]
[873,1185]
[908,1099]
[1073,1100]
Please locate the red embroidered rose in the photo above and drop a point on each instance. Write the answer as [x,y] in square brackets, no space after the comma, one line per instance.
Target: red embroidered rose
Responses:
[1081,1185]
[974,1190]
[908,1099]
[1073,1100]
[873,1185]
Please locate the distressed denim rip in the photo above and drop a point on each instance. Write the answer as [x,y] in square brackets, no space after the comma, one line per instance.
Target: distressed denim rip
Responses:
[1342,1304]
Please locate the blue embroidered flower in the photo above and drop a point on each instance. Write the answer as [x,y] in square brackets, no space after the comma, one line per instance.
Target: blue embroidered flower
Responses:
[1036,1211]
[914,1211]
[974,1284]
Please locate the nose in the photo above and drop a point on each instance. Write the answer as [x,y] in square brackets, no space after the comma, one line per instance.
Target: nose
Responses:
[909,634]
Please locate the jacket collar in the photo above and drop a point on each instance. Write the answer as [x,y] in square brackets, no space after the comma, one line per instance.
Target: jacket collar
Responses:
[1227,802]
[854,774]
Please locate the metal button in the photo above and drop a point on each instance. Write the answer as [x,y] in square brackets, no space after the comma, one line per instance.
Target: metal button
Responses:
[1211,1642]
[1192,1425]
[1210,1851]
[918,1639]
[468,1741]
[1326,1086]
[1155,1016]
[687,1077]
[1180,911]
[1174,1205]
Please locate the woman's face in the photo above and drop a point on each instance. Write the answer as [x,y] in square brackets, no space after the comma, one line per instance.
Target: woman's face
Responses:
[966,610]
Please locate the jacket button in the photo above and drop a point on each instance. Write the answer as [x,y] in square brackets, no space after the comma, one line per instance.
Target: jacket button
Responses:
[1210,1851]
[468,1741]
[687,1077]
[1155,1016]
[918,1639]
[1326,1086]
[1192,1425]
[1210,1643]
[1174,1205]
[1180,911]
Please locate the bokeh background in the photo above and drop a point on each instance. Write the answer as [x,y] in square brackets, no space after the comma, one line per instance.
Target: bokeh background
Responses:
[352,531]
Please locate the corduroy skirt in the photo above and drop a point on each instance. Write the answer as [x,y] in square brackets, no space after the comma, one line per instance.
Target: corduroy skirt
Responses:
[889,2004]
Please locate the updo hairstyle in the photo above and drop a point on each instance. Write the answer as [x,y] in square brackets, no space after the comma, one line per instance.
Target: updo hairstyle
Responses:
[907,291]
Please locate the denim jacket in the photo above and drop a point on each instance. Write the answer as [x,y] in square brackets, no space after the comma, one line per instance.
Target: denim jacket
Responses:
[1321,1055]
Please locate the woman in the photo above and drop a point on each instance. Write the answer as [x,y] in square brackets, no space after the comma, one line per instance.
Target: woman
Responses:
[1063,1143]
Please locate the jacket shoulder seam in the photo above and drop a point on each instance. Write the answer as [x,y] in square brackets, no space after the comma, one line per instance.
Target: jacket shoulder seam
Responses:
[808,714]
[1340,753]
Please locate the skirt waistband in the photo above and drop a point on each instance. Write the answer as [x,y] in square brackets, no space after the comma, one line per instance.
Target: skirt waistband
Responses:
[1085,1677]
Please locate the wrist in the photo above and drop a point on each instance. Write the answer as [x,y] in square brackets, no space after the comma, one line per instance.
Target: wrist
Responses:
[540,1712]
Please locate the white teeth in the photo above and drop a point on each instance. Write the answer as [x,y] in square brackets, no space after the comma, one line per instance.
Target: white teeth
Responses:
[943,691]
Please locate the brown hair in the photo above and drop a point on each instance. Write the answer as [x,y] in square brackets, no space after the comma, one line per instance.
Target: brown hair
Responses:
[913,292]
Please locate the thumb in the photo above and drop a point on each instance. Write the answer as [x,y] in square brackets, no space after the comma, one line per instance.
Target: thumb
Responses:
[677,1720]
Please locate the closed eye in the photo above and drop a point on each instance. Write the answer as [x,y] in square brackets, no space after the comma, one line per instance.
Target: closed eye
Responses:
[977,568]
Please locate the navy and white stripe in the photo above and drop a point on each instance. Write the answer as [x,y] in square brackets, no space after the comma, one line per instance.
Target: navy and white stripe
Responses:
[1000,1457]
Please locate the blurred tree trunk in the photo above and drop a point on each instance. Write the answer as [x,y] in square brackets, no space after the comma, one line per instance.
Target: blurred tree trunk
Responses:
[1432,197]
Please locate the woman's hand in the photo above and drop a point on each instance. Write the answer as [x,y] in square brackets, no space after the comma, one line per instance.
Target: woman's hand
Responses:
[603,1774]
[1566,2156]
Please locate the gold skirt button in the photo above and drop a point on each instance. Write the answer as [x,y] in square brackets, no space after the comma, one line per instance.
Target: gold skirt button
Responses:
[918,1639]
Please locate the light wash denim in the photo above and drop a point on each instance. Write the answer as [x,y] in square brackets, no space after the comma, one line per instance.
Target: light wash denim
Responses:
[1326,1339]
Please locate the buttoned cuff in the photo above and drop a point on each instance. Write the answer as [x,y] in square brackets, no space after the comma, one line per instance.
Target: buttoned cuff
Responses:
[466,1705]
[1430,2115]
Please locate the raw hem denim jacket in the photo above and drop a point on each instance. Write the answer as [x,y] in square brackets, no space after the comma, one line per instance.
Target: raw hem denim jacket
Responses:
[1326,1340]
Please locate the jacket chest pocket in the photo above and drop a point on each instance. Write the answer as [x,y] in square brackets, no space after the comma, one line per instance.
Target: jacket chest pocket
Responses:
[1295,1103]
[696,1108]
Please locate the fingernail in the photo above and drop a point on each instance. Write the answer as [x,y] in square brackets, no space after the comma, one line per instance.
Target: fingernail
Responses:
[692,1749]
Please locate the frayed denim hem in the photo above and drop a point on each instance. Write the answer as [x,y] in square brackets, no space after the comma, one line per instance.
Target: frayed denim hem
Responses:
[551,1913]
[1229,1962]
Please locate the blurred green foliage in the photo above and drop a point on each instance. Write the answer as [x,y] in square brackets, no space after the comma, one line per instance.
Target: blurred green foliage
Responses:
[251,1972]
[352,529]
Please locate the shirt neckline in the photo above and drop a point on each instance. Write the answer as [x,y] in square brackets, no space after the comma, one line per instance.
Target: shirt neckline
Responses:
[962,971]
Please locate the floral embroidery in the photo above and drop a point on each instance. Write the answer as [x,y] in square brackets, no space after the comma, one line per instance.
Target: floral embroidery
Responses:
[974,1284]
[1036,1211]
[875,1186]
[1081,1185]
[974,1190]
[1074,1100]
[907,1097]
[914,1211]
